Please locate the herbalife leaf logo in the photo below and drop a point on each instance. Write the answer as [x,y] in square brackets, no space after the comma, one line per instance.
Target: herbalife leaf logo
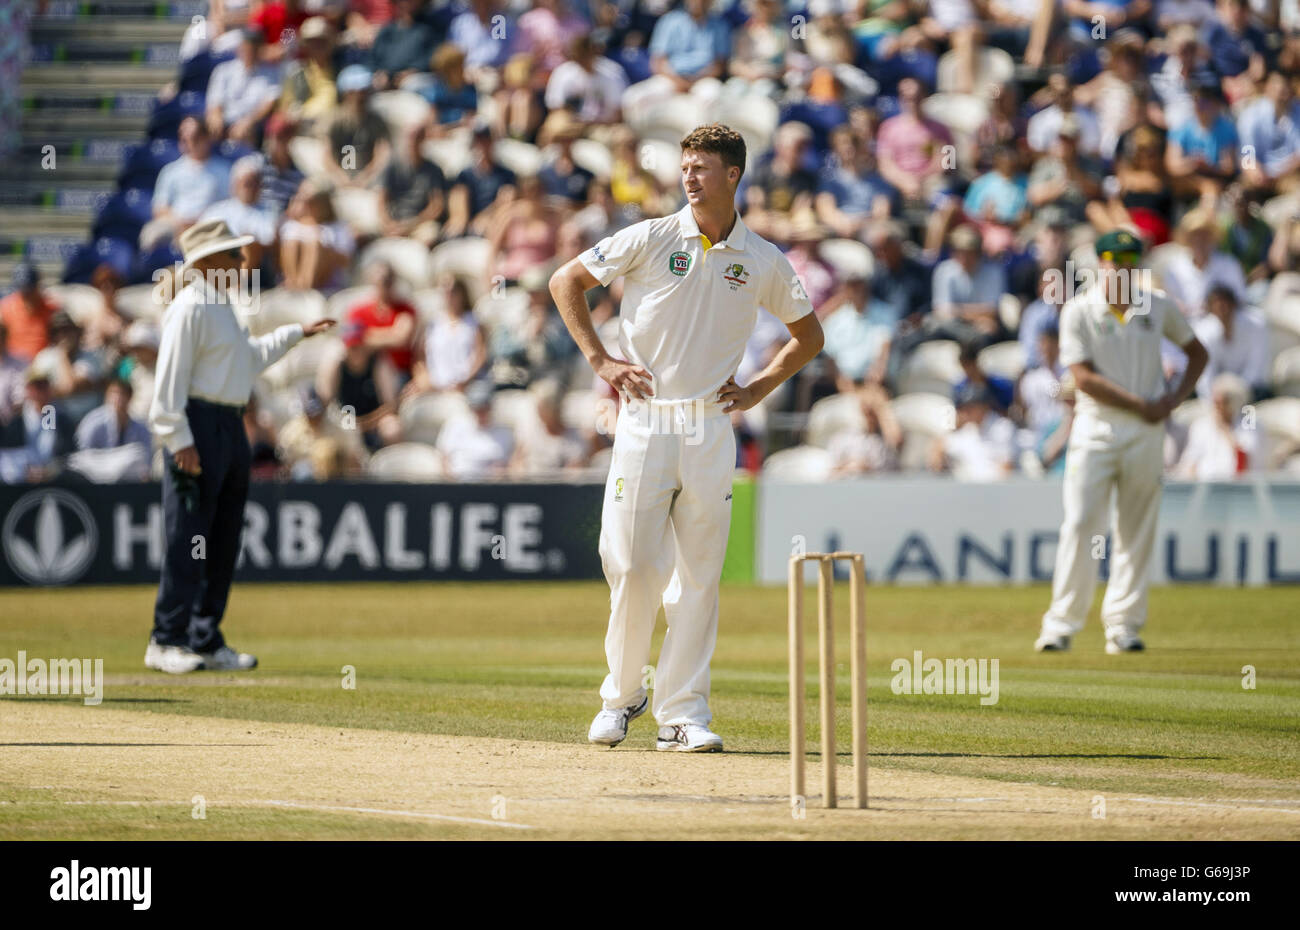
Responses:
[49,537]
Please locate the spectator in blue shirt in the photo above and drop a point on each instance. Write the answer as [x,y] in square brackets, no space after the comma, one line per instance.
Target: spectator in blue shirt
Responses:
[1001,390]
[996,202]
[1236,45]
[1270,134]
[851,192]
[402,47]
[1201,155]
[110,426]
[689,44]
[486,39]
[187,186]
[475,189]
[453,98]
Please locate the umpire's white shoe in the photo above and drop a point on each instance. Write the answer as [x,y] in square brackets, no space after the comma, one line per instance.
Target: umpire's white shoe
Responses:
[174,660]
[688,737]
[226,659]
[1049,643]
[610,726]
[1122,644]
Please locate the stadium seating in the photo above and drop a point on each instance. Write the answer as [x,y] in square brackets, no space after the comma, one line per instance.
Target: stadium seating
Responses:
[933,368]
[405,461]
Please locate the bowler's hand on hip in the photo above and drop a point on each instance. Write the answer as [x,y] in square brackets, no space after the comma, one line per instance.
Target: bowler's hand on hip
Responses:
[1155,411]
[735,396]
[625,377]
[187,460]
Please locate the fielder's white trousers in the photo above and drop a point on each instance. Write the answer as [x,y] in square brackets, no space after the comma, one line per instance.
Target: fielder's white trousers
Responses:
[1107,457]
[663,537]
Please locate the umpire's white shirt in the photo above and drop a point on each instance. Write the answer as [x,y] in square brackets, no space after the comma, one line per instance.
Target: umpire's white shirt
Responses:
[689,307]
[1125,352]
[206,353]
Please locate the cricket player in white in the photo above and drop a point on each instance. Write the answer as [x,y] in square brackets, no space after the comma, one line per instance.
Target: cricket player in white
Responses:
[1110,341]
[693,284]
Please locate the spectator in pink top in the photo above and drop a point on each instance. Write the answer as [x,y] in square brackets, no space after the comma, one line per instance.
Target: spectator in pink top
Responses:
[914,154]
[546,31]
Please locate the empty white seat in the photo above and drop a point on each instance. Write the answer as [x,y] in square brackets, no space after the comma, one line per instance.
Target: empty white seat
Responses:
[507,308]
[514,409]
[406,461]
[422,416]
[798,463]
[359,208]
[932,367]
[835,414]
[308,155]
[298,368]
[1280,417]
[1005,359]
[408,258]
[466,258]
[140,303]
[994,68]
[594,156]
[523,158]
[1286,372]
[848,257]
[926,414]
[80,301]
[402,110]
[281,306]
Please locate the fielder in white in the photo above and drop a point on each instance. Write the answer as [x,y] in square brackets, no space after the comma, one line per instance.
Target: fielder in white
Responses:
[1110,341]
[693,283]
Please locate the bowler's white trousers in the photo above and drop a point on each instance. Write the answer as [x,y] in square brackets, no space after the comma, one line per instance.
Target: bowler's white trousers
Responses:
[1107,454]
[663,537]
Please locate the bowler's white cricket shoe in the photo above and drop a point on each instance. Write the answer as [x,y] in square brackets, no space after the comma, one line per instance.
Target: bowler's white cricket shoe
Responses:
[688,737]
[610,726]
[1048,643]
[226,659]
[174,660]
[1122,644]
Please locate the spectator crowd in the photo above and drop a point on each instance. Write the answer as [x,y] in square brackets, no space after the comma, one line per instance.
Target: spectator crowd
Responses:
[936,171]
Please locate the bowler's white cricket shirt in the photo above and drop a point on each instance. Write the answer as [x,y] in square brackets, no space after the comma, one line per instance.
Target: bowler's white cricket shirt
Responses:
[689,306]
[1125,352]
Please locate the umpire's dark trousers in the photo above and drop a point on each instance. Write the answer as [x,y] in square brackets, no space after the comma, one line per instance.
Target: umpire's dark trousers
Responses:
[202,519]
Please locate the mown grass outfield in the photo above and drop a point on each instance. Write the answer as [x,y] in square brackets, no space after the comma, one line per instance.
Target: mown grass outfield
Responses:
[472,702]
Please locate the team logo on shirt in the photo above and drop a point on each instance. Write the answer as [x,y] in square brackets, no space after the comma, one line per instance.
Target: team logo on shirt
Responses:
[679,263]
[618,489]
[600,256]
[735,275]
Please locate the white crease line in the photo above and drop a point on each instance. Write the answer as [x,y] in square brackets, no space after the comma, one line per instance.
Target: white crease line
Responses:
[1226,807]
[318,807]
[375,810]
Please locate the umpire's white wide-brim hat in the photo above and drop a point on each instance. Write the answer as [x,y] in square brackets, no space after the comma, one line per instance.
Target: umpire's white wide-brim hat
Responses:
[208,238]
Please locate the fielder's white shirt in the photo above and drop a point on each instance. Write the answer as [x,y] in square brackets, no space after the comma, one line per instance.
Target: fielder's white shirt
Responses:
[688,307]
[1126,352]
[206,353]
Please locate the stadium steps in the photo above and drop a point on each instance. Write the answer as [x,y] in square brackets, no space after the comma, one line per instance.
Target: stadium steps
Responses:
[96,69]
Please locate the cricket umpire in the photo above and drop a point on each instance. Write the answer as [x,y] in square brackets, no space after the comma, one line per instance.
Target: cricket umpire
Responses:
[206,365]
[693,283]
[1110,340]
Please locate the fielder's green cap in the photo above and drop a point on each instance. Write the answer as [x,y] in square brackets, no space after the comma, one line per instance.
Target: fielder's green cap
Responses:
[1119,240]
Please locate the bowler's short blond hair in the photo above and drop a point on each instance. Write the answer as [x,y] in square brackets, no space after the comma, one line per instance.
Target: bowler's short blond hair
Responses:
[719,140]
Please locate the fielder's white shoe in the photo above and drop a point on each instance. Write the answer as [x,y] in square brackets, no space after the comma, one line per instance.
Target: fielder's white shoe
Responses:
[688,737]
[174,660]
[1048,643]
[1122,644]
[226,659]
[610,726]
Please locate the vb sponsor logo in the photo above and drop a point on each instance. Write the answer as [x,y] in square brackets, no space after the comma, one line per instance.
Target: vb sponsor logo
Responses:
[53,676]
[105,883]
[920,675]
